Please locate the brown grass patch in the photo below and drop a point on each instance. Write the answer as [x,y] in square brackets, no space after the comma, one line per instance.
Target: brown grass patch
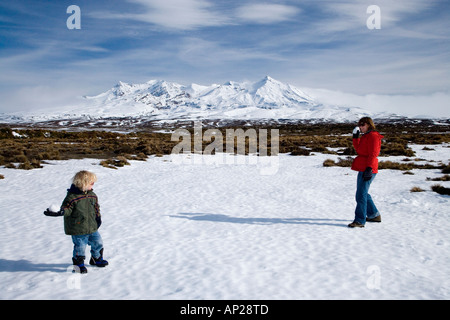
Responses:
[37,145]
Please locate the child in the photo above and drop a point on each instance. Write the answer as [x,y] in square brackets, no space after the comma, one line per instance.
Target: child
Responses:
[82,219]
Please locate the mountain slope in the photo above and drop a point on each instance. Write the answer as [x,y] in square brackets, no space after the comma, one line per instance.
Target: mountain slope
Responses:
[162,100]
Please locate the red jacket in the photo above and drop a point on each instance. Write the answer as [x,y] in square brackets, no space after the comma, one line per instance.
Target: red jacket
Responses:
[368,148]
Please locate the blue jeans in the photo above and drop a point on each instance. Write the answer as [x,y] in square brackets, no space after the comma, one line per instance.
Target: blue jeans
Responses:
[365,208]
[80,243]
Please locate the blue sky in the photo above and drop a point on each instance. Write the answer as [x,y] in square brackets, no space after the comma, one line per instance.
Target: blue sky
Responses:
[307,43]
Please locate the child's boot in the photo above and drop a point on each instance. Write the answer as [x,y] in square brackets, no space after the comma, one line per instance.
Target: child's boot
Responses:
[78,265]
[99,262]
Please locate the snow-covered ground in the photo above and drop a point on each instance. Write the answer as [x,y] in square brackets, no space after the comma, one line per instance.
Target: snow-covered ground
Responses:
[204,230]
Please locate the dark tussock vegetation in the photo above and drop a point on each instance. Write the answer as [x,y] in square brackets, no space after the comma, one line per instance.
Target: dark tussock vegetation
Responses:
[35,146]
[441,189]
[32,147]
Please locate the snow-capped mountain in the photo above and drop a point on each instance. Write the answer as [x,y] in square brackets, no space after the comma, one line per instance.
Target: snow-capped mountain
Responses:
[162,100]
[156,95]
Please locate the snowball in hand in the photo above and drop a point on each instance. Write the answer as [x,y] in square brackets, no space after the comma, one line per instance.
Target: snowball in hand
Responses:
[54,208]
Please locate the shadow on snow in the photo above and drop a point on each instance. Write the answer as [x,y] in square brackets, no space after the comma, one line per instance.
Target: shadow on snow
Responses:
[213,217]
[25,265]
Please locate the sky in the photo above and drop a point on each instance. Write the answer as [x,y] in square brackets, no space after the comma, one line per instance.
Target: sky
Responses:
[396,58]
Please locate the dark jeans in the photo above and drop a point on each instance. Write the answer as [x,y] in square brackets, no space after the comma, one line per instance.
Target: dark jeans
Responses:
[365,208]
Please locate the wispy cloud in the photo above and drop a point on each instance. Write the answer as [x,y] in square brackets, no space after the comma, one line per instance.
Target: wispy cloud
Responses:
[266,13]
[199,52]
[174,14]
[195,14]
[349,14]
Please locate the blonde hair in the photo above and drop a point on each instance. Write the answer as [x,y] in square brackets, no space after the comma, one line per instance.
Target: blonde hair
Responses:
[83,179]
[367,120]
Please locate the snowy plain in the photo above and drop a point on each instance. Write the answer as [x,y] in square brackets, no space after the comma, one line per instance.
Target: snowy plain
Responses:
[204,229]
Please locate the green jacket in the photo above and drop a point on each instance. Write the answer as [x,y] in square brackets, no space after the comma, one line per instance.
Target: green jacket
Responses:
[80,212]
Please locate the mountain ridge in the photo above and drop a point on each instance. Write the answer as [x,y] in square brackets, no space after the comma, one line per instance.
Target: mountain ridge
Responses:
[161,100]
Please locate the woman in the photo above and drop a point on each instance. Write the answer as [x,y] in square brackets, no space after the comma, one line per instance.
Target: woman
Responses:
[366,163]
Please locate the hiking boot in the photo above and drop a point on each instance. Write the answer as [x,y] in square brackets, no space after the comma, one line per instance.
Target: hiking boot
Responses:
[376,219]
[78,265]
[99,262]
[355,224]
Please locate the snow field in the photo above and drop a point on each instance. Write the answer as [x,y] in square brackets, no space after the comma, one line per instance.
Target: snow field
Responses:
[198,230]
